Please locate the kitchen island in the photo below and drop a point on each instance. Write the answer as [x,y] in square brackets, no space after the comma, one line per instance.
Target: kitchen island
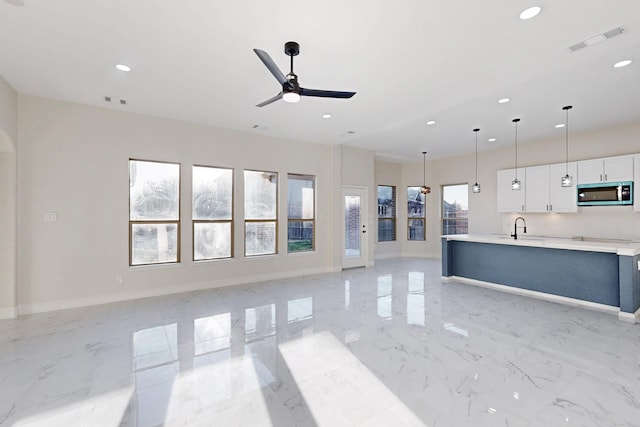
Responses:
[595,274]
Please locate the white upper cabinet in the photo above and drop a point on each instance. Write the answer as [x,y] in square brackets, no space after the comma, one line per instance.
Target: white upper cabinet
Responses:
[537,195]
[610,169]
[510,200]
[545,192]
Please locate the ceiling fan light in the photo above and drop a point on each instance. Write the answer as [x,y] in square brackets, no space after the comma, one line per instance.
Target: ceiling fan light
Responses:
[291,97]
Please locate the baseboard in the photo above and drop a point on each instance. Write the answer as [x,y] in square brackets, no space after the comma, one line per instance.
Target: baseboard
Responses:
[538,295]
[170,290]
[8,313]
[388,256]
[630,317]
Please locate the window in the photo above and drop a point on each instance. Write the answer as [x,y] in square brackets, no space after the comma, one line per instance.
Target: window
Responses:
[301,213]
[386,213]
[260,212]
[154,212]
[416,214]
[455,209]
[212,213]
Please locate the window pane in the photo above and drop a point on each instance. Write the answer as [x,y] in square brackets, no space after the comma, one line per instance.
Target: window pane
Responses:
[154,243]
[300,236]
[260,238]
[416,229]
[386,201]
[260,195]
[211,240]
[455,209]
[153,190]
[352,226]
[301,197]
[415,203]
[212,188]
[386,230]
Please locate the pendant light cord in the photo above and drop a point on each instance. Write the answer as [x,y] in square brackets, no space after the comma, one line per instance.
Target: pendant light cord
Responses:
[476,131]
[566,140]
[516,122]
[424,168]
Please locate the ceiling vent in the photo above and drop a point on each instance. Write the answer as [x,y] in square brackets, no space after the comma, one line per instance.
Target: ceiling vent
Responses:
[598,38]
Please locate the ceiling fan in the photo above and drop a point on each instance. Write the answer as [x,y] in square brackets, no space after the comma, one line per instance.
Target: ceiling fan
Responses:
[291,90]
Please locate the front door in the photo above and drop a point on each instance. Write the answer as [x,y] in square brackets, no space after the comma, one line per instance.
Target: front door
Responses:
[354,226]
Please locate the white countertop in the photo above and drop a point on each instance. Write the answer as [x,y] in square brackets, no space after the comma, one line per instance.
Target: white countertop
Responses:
[620,248]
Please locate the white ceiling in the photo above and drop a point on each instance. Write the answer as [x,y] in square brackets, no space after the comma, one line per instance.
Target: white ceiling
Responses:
[409,61]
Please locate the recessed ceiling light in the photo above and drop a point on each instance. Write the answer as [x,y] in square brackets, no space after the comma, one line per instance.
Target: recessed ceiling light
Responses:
[503,100]
[492,139]
[431,122]
[326,116]
[15,2]
[530,13]
[560,125]
[622,63]
[123,67]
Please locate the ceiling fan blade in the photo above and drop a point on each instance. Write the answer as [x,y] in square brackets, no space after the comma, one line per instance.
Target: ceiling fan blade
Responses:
[325,93]
[270,100]
[268,62]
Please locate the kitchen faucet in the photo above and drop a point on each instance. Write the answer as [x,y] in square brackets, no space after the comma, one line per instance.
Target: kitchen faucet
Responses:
[515,227]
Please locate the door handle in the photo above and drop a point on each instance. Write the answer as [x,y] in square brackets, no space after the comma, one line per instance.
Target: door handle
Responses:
[364,231]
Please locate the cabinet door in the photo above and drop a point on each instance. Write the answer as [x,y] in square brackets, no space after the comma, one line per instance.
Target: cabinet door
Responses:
[537,194]
[590,171]
[562,199]
[510,200]
[618,168]
[636,183]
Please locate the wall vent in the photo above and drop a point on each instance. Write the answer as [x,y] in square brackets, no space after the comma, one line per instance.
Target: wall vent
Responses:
[598,38]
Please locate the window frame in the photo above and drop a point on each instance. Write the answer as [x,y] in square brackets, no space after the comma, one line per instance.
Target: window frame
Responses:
[156,222]
[212,221]
[423,217]
[393,219]
[303,220]
[261,220]
[442,219]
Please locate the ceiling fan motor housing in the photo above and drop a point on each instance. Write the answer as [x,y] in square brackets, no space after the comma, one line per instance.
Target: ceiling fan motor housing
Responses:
[291,48]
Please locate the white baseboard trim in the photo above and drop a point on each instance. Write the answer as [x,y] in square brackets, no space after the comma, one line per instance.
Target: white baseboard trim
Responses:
[156,292]
[8,313]
[388,256]
[536,294]
[630,317]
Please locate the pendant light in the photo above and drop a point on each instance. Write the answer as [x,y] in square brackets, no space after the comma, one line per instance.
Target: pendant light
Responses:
[424,189]
[566,179]
[515,184]
[476,186]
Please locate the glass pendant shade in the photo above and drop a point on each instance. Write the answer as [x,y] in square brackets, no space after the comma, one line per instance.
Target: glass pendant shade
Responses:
[476,188]
[566,181]
[515,184]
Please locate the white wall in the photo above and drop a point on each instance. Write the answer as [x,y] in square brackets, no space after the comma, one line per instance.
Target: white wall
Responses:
[73,160]
[8,198]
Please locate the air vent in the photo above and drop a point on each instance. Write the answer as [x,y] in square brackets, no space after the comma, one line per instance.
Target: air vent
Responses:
[598,38]
[612,33]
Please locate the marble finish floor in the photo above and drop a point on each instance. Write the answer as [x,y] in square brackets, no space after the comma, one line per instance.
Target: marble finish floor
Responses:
[389,345]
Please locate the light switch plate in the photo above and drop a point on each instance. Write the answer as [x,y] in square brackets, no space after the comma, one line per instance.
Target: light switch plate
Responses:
[50,217]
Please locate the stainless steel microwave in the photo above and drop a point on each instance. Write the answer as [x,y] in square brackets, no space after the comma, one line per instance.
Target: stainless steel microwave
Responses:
[605,193]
